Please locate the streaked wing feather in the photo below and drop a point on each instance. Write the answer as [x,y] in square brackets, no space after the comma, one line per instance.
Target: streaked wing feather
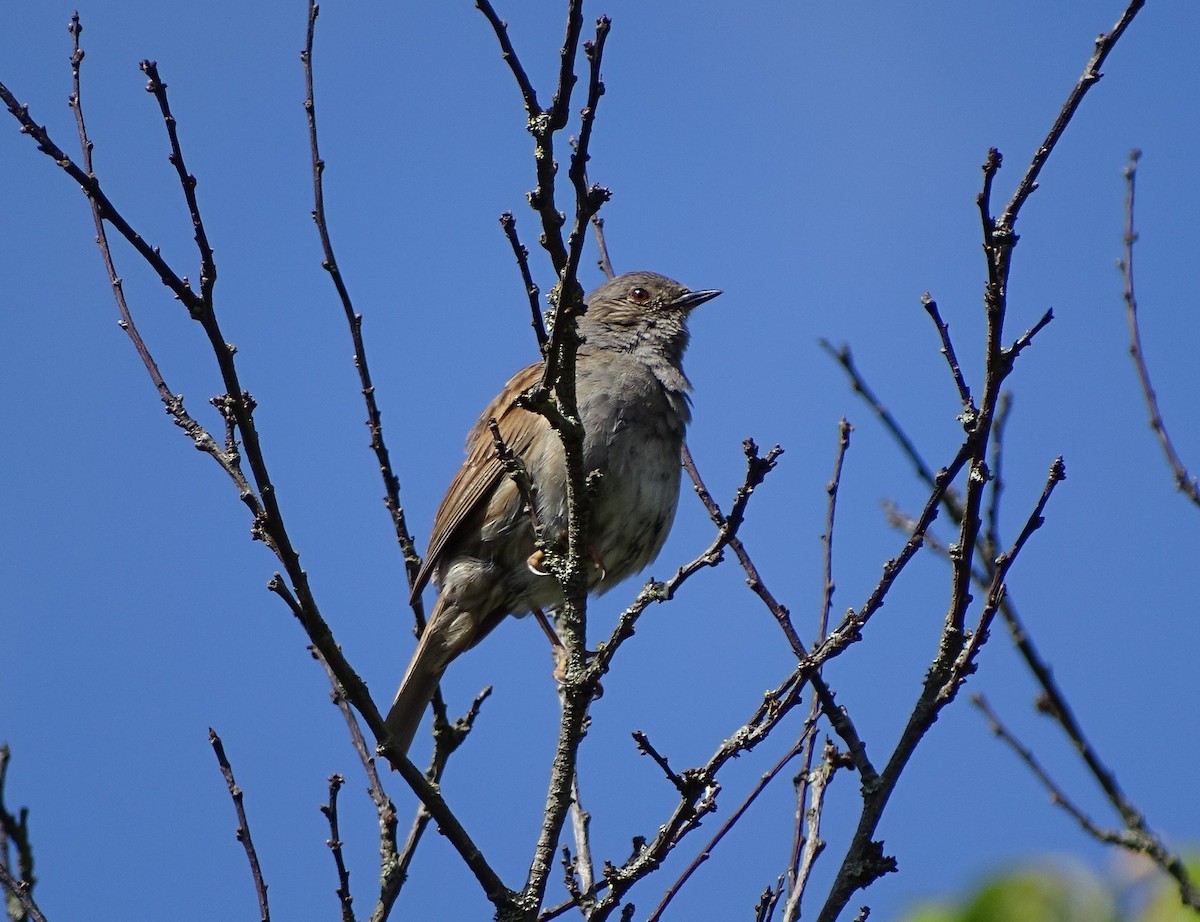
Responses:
[476,479]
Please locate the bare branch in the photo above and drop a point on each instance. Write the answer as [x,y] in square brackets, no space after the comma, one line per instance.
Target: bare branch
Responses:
[554,398]
[764,909]
[805,739]
[1105,42]
[859,385]
[645,747]
[996,592]
[243,827]
[228,460]
[91,188]
[604,262]
[391,483]
[208,268]
[509,54]
[1027,337]
[335,846]
[864,860]
[509,224]
[964,393]
[580,821]
[999,424]
[844,430]
[543,124]
[756,471]
[801,781]
[817,782]
[1135,838]
[1184,481]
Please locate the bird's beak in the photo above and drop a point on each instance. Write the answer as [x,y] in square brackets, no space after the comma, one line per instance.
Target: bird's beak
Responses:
[692,299]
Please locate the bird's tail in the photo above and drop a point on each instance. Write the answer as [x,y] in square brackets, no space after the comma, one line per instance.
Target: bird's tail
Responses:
[447,633]
[416,690]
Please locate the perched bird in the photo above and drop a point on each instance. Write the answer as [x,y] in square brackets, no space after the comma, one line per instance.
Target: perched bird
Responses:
[633,402]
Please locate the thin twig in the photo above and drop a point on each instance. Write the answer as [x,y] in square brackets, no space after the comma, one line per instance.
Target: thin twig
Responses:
[243,827]
[391,862]
[806,735]
[391,483]
[1184,481]
[201,438]
[1135,838]
[1027,337]
[187,181]
[588,196]
[509,54]
[1105,42]
[996,489]
[844,358]
[831,489]
[543,124]
[1053,700]
[646,748]
[755,472]
[700,799]
[865,861]
[238,407]
[764,909]
[801,780]
[965,663]
[1057,795]
[335,846]
[509,225]
[964,392]
[603,261]
[580,823]
[757,468]
[818,783]
[515,468]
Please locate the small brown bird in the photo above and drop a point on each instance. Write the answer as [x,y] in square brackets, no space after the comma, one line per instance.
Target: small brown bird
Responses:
[632,397]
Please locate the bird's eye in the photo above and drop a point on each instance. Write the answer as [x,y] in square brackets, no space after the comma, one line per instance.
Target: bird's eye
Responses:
[639,295]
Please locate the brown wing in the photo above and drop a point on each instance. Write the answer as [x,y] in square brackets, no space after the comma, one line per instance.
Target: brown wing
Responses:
[476,480]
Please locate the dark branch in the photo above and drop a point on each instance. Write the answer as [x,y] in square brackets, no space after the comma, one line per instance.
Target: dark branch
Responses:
[1184,481]
[345,900]
[1135,838]
[243,827]
[391,483]
[964,393]
[805,739]
[509,224]
[1105,42]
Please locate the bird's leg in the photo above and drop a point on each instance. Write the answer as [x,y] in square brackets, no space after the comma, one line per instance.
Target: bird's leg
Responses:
[558,650]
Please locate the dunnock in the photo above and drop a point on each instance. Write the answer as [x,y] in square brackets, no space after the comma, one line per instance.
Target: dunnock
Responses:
[633,401]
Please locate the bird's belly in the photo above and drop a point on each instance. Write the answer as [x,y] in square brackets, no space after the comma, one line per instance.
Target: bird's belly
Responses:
[634,506]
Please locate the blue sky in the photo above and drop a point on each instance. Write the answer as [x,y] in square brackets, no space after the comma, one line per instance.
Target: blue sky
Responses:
[819,164]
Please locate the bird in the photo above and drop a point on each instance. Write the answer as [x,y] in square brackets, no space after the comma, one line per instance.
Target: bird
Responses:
[634,404]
